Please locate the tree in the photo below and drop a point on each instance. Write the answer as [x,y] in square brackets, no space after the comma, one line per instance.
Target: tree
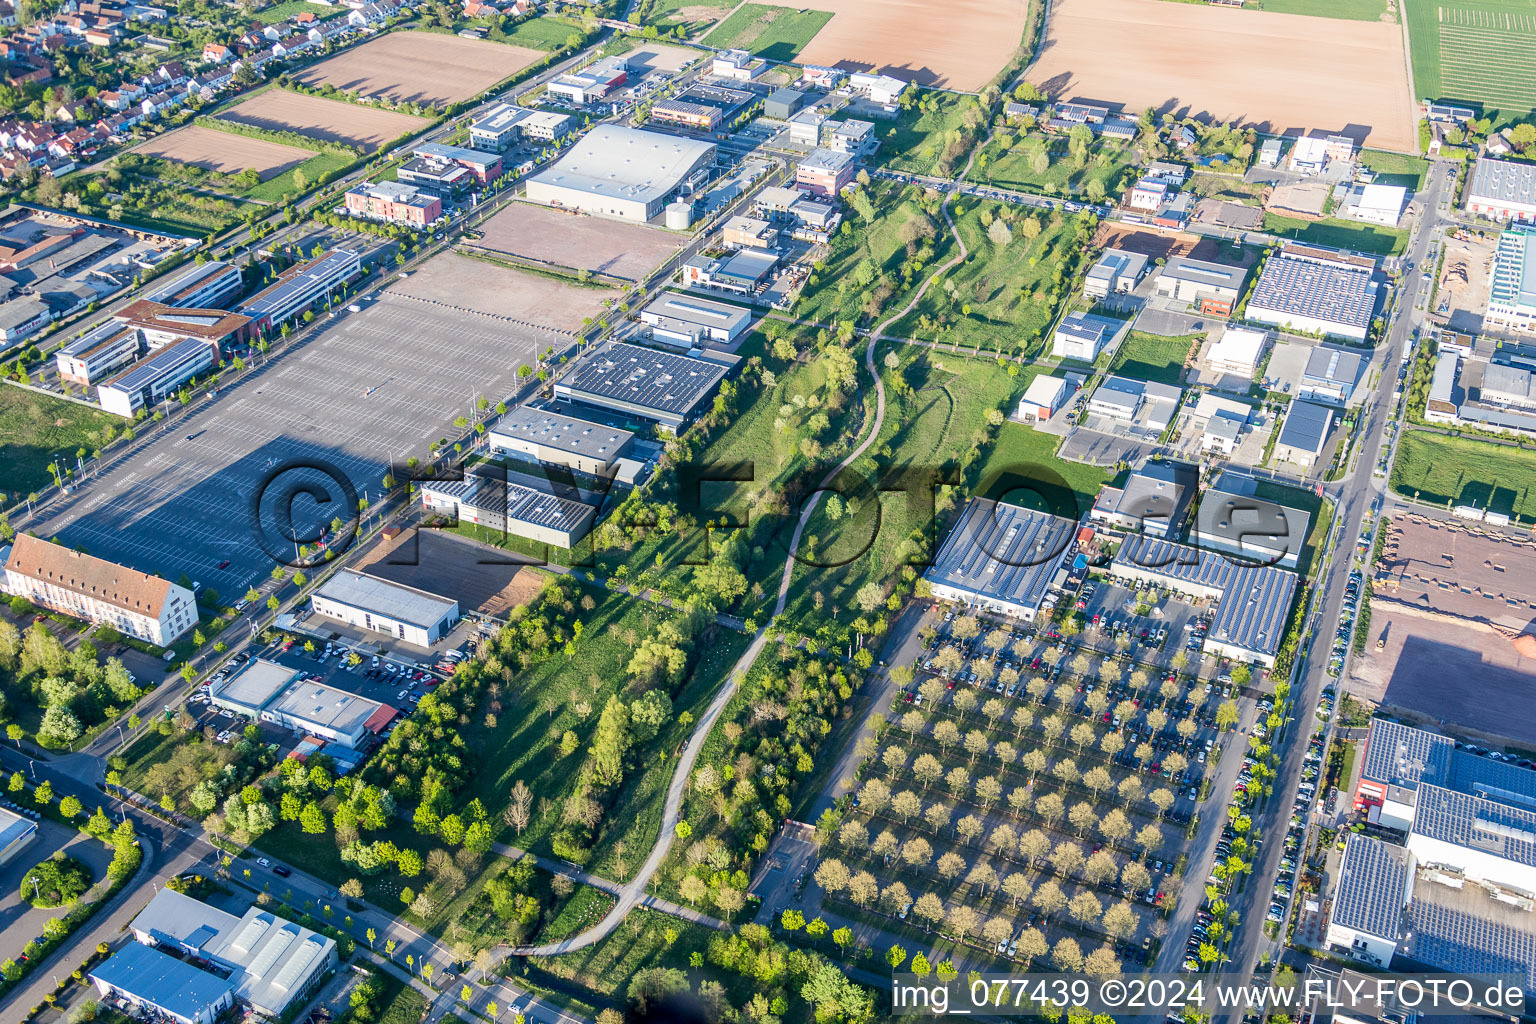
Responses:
[312,819]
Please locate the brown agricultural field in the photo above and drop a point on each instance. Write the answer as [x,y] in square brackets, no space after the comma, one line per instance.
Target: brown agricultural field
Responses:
[323,120]
[957,44]
[1277,72]
[421,67]
[214,150]
[578,241]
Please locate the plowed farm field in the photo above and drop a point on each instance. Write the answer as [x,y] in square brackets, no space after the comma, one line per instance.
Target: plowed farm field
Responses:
[214,150]
[421,67]
[323,120]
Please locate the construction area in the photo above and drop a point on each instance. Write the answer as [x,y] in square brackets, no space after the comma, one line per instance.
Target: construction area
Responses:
[1454,613]
[1461,295]
[1155,245]
[1308,199]
[482,579]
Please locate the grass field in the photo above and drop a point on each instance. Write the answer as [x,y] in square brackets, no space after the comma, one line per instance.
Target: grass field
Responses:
[283,11]
[541,33]
[1444,470]
[1353,10]
[34,428]
[1022,469]
[1396,168]
[919,142]
[1011,164]
[693,15]
[1475,51]
[1000,298]
[776,33]
[1145,356]
[1342,234]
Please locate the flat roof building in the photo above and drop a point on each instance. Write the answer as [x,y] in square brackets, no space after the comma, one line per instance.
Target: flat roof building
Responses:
[1042,398]
[1314,295]
[1375,204]
[1212,288]
[744,272]
[394,609]
[592,82]
[301,287]
[21,318]
[499,127]
[854,137]
[315,709]
[486,167]
[1115,272]
[561,440]
[393,202]
[1250,528]
[174,988]
[693,321]
[510,508]
[623,172]
[1084,336]
[782,103]
[1155,499]
[1145,407]
[1252,602]
[157,376]
[1331,375]
[1375,881]
[1238,351]
[99,352]
[253,687]
[1512,291]
[1304,434]
[807,127]
[207,285]
[1502,190]
[1001,558]
[825,172]
[86,587]
[662,386]
[15,833]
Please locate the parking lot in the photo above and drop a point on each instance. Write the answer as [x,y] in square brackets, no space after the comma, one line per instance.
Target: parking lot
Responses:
[328,414]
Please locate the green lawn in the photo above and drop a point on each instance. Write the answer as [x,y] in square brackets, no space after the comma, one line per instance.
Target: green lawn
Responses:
[1144,356]
[1475,51]
[666,15]
[279,186]
[928,136]
[283,11]
[1396,168]
[541,33]
[1005,295]
[1014,163]
[1444,470]
[1342,234]
[1353,10]
[35,428]
[401,1004]
[775,33]
[1022,469]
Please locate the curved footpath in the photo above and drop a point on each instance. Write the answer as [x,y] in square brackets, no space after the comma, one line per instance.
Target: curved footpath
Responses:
[633,892]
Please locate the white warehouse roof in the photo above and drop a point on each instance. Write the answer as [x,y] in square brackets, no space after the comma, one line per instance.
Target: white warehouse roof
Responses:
[626,163]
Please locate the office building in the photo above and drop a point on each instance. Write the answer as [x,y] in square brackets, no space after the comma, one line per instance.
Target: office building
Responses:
[704,117]
[206,286]
[98,353]
[665,387]
[21,318]
[745,272]
[157,376]
[1115,272]
[1042,398]
[1331,375]
[439,177]
[560,440]
[1084,336]
[160,325]
[1303,433]
[1238,351]
[623,172]
[1211,288]
[250,689]
[882,89]
[486,167]
[301,287]
[1250,528]
[86,587]
[1315,292]
[738,65]
[749,233]
[314,709]
[591,83]
[504,123]
[1135,407]
[393,609]
[854,137]
[1512,292]
[393,202]
[806,128]
[506,507]
[1002,558]
[825,172]
[692,321]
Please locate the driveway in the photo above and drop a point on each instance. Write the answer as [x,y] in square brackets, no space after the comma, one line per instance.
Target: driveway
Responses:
[20,922]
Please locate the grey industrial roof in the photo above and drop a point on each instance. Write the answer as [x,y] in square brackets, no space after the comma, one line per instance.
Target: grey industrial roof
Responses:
[1117,263]
[699,311]
[1373,878]
[501,117]
[255,684]
[747,265]
[1512,382]
[626,163]
[392,600]
[176,919]
[180,285]
[665,382]
[1254,602]
[157,364]
[1161,491]
[281,294]
[458,154]
[1339,294]
[515,501]
[1333,365]
[1003,552]
[1467,932]
[13,826]
[1265,528]
[325,706]
[1514,270]
[1306,426]
[1209,275]
[556,430]
[831,160]
[1504,181]
[18,311]
[162,980]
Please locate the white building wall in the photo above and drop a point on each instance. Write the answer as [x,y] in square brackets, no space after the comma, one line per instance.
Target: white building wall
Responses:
[1479,865]
[1309,324]
[1366,947]
[406,631]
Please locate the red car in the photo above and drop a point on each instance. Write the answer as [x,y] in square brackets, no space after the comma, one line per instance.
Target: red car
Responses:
[224,564]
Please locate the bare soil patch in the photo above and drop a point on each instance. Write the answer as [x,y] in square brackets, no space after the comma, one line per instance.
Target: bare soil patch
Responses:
[323,120]
[958,44]
[460,282]
[1465,282]
[421,67]
[661,57]
[1276,72]
[214,150]
[577,240]
[480,579]
[1469,572]
[1160,244]
[1305,199]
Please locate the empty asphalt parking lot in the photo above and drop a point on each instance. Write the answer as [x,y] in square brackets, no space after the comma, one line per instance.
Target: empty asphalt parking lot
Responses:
[325,416]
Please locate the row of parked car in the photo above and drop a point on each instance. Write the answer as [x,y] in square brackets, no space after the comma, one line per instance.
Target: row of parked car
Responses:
[1346,630]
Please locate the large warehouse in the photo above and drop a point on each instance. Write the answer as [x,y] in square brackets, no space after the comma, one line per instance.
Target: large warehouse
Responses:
[252,688]
[315,709]
[405,613]
[1001,558]
[511,508]
[662,386]
[1316,292]
[623,172]
[561,440]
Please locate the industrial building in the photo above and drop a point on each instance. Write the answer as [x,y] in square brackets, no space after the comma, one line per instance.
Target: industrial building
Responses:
[145,977]
[393,202]
[1304,433]
[1135,407]
[253,687]
[783,103]
[1375,204]
[1316,292]
[1084,336]
[394,609]
[591,83]
[559,440]
[1002,558]
[486,167]
[825,172]
[1155,499]
[1212,288]
[1512,291]
[137,604]
[1502,190]
[1252,602]
[21,318]
[1042,398]
[692,321]
[1114,272]
[270,964]
[745,272]
[15,833]
[500,126]
[510,508]
[737,65]
[301,287]
[314,709]
[1331,375]
[665,387]
[1220,421]
[1250,528]
[1238,351]
[205,286]
[882,89]
[746,232]
[158,375]
[623,172]
[703,107]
